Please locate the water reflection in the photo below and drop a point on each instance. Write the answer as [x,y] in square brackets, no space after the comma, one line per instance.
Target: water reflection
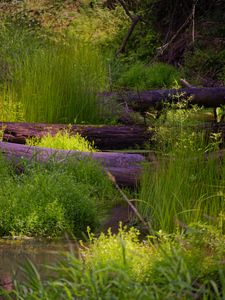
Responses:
[14,253]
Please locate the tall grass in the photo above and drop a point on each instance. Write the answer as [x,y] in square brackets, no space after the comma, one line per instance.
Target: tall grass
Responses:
[182,190]
[184,186]
[59,83]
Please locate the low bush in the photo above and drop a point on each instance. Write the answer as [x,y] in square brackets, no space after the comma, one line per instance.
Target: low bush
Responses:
[205,64]
[63,140]
[141,77]
[54,199]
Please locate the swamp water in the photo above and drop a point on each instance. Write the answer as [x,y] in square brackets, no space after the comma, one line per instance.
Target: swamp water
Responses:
[15,253]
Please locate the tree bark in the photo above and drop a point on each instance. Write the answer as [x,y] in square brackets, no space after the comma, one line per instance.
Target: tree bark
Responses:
[142,101]
[104,137]
[126,168]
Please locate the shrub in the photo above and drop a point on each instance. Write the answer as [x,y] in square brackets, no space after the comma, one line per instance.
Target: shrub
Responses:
[49,200]
[62,140]
[141,77]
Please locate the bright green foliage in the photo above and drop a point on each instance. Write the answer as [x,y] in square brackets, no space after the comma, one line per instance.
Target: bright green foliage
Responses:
[47,201]
[182,190]
[141,77]
[182,186]
[59,84]
[63,140]
[10,110]
[121,267]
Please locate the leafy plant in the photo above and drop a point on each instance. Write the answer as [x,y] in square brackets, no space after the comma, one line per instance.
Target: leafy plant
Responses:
[62,140]
[49,200]
[120,267]
[141,77]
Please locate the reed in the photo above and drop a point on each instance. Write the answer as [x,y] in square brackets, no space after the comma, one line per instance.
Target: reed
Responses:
[59,83]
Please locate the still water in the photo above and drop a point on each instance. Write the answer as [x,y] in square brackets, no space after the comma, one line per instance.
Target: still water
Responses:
[14,253]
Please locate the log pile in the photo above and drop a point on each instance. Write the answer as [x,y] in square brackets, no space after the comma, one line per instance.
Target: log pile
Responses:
[105,137]
[126,168]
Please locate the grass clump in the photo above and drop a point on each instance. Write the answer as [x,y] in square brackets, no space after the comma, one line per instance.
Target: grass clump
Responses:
[141,77]
[185,185]
[63,140]
[54,199]
[59,83]
[121,267]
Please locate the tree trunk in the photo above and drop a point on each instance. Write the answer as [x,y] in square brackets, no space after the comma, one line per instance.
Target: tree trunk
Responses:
[142,101]
[126,168]
[104,137]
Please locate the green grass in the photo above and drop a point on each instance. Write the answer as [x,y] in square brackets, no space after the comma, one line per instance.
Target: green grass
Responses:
[59,83]
[63,140]
[53,78]
[183,189]
[183,186]
[54,199]
[143,77]
[186,266]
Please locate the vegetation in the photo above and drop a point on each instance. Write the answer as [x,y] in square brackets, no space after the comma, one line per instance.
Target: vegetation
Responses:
[55,58]
[140,77]
[186,266]
[63,140]
[50,200]
[60,84]
[184,187]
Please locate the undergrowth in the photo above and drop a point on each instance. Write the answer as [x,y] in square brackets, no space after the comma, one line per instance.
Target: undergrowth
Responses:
[143,77]
[53,199]
[62,140]
[186,182]
[182,266]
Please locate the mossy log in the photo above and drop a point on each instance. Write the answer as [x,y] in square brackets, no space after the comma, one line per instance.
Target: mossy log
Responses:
[143,101]
[105,137]
[126,168]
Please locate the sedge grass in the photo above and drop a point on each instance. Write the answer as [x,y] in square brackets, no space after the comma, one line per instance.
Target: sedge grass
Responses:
[181,191]
[185,186]
[59,83]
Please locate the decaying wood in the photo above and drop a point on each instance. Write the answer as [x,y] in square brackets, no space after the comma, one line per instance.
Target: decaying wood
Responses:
[142,101]
[185,84]
[104,137]
[134,21]
[128,34]
[126,168]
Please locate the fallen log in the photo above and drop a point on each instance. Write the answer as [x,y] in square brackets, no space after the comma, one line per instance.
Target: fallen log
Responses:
[126,168]
[104,137]
[142,101]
